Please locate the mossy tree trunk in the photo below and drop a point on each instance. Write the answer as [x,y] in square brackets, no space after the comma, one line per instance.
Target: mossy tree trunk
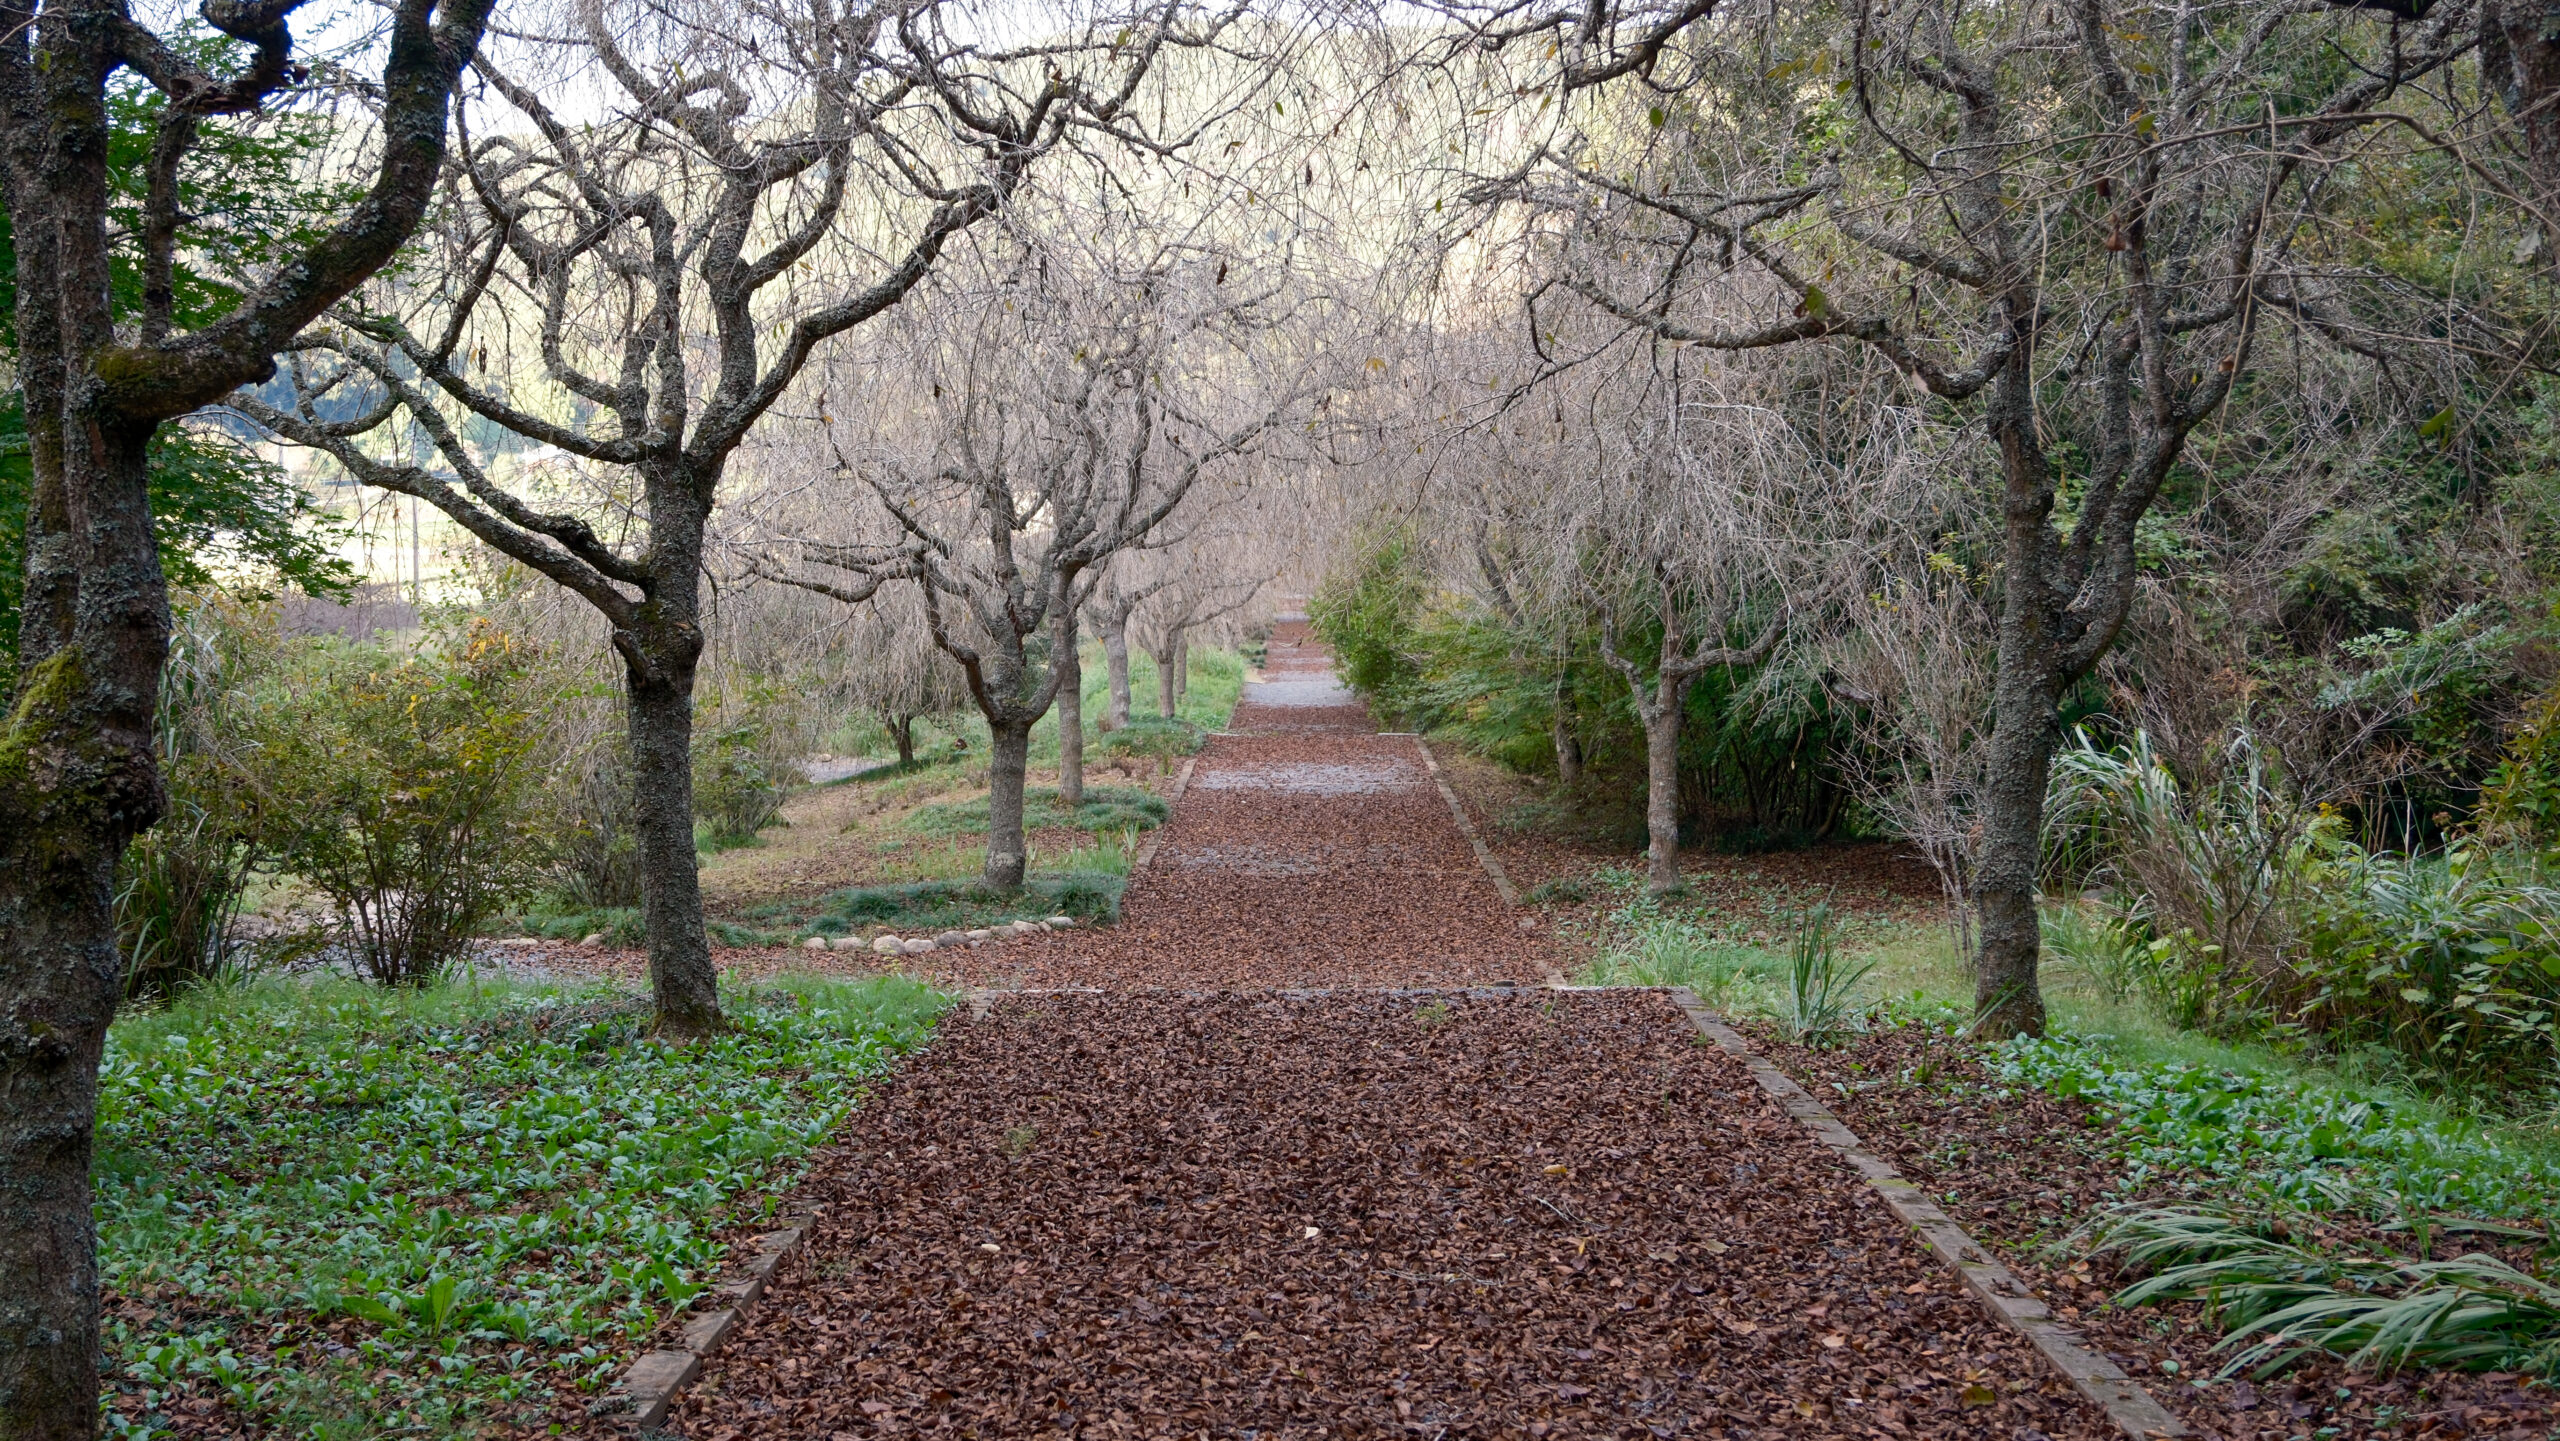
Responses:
[78,776]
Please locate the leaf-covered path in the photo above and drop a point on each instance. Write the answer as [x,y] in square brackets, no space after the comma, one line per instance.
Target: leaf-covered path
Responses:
[1199,1200]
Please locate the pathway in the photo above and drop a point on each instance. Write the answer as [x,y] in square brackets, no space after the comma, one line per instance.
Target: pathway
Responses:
[1232,1207]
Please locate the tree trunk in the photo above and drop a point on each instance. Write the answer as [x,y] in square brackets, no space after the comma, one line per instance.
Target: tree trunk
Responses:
[2026,726]
[1070,722]
[1166,699]
[77,782]
[1181,669]
[2520,59]
[1568,746]
[1115,659]
[681,979]
[1662,791]
[1009,758]
[903,730]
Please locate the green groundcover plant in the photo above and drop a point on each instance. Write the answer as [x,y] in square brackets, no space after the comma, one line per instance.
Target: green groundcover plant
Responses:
[2294,1142]
[345,1211]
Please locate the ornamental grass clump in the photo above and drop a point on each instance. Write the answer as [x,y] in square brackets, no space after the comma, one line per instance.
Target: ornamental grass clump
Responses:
[1821,1009]
[2281,1298]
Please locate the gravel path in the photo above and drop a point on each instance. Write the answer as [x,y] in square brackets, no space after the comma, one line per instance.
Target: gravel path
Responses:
[1189,1204]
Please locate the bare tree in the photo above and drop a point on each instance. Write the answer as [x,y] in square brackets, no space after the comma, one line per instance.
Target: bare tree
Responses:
[1070,412]
[77,776]
[2072,223]
[775,176]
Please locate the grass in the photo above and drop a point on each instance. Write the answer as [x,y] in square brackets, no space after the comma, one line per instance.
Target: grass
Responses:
[619,925]
[359,1213]
[946,905]
[1654,943]
[1105,808]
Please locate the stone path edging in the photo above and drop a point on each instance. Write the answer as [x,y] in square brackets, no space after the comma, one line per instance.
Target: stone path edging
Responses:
[1147,850]
[2130,1407]
[1458,813]
[649,1384]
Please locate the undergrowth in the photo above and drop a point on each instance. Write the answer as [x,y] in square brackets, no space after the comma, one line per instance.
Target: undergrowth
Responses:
[1105,808]
[948,905]
[348,1212]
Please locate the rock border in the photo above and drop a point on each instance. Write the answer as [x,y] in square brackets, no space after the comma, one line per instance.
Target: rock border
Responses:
[648,1386]
[2129,1406]
[1458,813]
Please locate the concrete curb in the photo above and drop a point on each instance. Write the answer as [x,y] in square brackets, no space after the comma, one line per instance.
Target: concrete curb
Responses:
[2130,1407]
[1458,813]
[1147,850]
[649,1385]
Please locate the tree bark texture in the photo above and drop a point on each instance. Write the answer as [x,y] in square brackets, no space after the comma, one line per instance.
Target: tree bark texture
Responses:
[1009,761]
[78,775]
[1662,789]
[681,977]
[902,729]
[1070,718]
[1168,700]
[1115,661]
[2520,59]
[1568,745]
[1181,669]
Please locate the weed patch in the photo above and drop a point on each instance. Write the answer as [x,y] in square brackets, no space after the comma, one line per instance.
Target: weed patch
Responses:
[943,905]
[360,1212]
[1105,808]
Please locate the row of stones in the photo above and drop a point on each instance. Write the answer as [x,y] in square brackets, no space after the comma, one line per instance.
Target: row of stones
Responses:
[893,945]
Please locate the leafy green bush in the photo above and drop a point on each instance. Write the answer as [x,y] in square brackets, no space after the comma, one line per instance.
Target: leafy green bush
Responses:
[1105,808]
[2211,879]
[408,790]
[2450,962]
[739,782]
[2521,799]
[1367,608]
[505,1187]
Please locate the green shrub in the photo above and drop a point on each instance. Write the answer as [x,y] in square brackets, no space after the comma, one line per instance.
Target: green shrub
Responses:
[408,790]
[1367,608]
[2521,799]
[739,782]
[2451,962]
[1105,808]
[1821,1009]
[2279,1298]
